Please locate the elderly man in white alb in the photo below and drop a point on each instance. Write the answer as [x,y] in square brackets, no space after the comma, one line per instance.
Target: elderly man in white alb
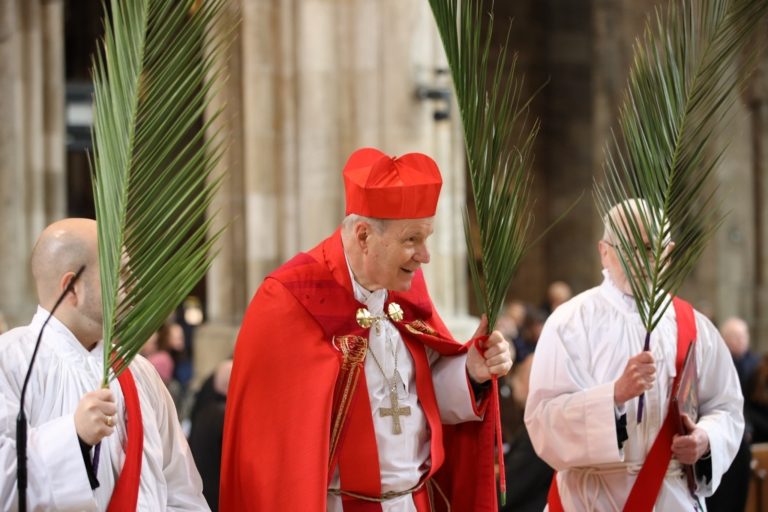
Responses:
[588,372]
[144,461]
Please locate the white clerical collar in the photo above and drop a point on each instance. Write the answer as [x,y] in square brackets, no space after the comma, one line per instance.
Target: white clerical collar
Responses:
[373,299]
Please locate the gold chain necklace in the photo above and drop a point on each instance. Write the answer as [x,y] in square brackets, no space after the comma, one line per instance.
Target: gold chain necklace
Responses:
[363,316]
[391,382]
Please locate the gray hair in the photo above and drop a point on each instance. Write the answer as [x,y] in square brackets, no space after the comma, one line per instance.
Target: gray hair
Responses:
[378,225]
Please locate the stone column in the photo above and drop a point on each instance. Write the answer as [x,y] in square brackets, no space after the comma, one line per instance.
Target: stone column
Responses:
[732,250]
[14,287]
[758,102]
[229,285]
[576,59]
[226,289]
[31,178]
[54,96]
[31,140]
[33,105]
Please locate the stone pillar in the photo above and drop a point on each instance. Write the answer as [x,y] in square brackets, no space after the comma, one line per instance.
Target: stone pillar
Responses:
[731,253]
[53,122]
[14,287]
[758,103]
[227,284]
[31,140]
[227,295]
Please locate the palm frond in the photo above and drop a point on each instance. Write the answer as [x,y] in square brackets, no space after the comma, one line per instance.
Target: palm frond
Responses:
[152,164]
[499,141]
[681,87]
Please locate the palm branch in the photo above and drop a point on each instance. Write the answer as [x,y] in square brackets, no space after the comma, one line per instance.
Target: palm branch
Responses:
[152,164]
[499,143]
[681,86]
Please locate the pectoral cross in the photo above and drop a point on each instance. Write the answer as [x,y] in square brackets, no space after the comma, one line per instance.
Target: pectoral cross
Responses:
[395,412]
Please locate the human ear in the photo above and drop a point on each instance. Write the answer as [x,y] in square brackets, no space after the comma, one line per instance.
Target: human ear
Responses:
[601,248]
[64,282]
[361,234]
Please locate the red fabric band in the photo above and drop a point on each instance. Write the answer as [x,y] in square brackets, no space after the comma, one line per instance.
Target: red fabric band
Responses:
[126,493]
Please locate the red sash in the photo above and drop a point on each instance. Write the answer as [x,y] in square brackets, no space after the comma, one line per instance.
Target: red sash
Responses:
[126,493]
[648,483]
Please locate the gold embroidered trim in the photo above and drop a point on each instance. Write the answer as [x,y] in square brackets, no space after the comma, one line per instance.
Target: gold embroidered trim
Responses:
[420,327]
[353,350]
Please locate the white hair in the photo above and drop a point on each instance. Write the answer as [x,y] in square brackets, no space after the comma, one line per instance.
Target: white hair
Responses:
[378,225]
[639,209]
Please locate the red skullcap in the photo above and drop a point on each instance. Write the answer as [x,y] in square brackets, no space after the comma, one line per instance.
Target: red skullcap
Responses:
[384,187]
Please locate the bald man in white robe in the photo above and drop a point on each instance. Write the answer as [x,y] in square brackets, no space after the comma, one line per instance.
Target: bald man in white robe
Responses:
[67,412]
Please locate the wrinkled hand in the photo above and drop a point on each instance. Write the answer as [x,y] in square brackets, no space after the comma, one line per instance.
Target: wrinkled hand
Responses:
[496,359]
[638,377]
[91,416]
[691,447]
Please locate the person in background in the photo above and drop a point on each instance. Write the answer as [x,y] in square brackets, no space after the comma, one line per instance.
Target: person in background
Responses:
[530,332]
[510,322]
[156,351]
[735,332]
[733,489]
[558,292]
[207,431]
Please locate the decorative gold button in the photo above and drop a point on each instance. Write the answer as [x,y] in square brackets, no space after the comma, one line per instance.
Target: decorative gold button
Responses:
[395,312]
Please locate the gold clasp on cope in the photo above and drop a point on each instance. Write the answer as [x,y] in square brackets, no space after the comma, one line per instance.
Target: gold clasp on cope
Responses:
[395,312]
[365,319]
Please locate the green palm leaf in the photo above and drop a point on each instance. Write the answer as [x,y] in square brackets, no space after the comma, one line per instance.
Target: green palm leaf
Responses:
[152,164]
[499,143]
[499,152]
[681,86]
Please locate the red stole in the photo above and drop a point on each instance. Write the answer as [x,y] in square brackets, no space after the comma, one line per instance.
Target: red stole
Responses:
[126,492]
[648,483]
[320,282]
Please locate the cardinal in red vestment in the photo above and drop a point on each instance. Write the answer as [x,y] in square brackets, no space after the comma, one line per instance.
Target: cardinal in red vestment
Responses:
[348,393]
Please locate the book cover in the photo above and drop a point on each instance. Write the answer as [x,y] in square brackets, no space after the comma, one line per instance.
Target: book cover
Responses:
[685,400]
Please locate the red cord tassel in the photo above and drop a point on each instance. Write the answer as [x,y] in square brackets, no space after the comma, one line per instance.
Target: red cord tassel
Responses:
[496,409]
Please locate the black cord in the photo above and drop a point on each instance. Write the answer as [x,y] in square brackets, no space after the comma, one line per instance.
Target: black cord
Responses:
[21,419]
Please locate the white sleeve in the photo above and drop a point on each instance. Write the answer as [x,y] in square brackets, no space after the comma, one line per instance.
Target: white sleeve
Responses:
[570,416]
[185,487]
[56,475]
[452,390]
[720,401]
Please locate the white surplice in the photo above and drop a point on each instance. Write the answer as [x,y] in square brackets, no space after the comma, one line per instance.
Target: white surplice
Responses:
[570,413]
[404,458]
[57,480]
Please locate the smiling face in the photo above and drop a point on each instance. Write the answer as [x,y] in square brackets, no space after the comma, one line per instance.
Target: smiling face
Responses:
[392,254]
